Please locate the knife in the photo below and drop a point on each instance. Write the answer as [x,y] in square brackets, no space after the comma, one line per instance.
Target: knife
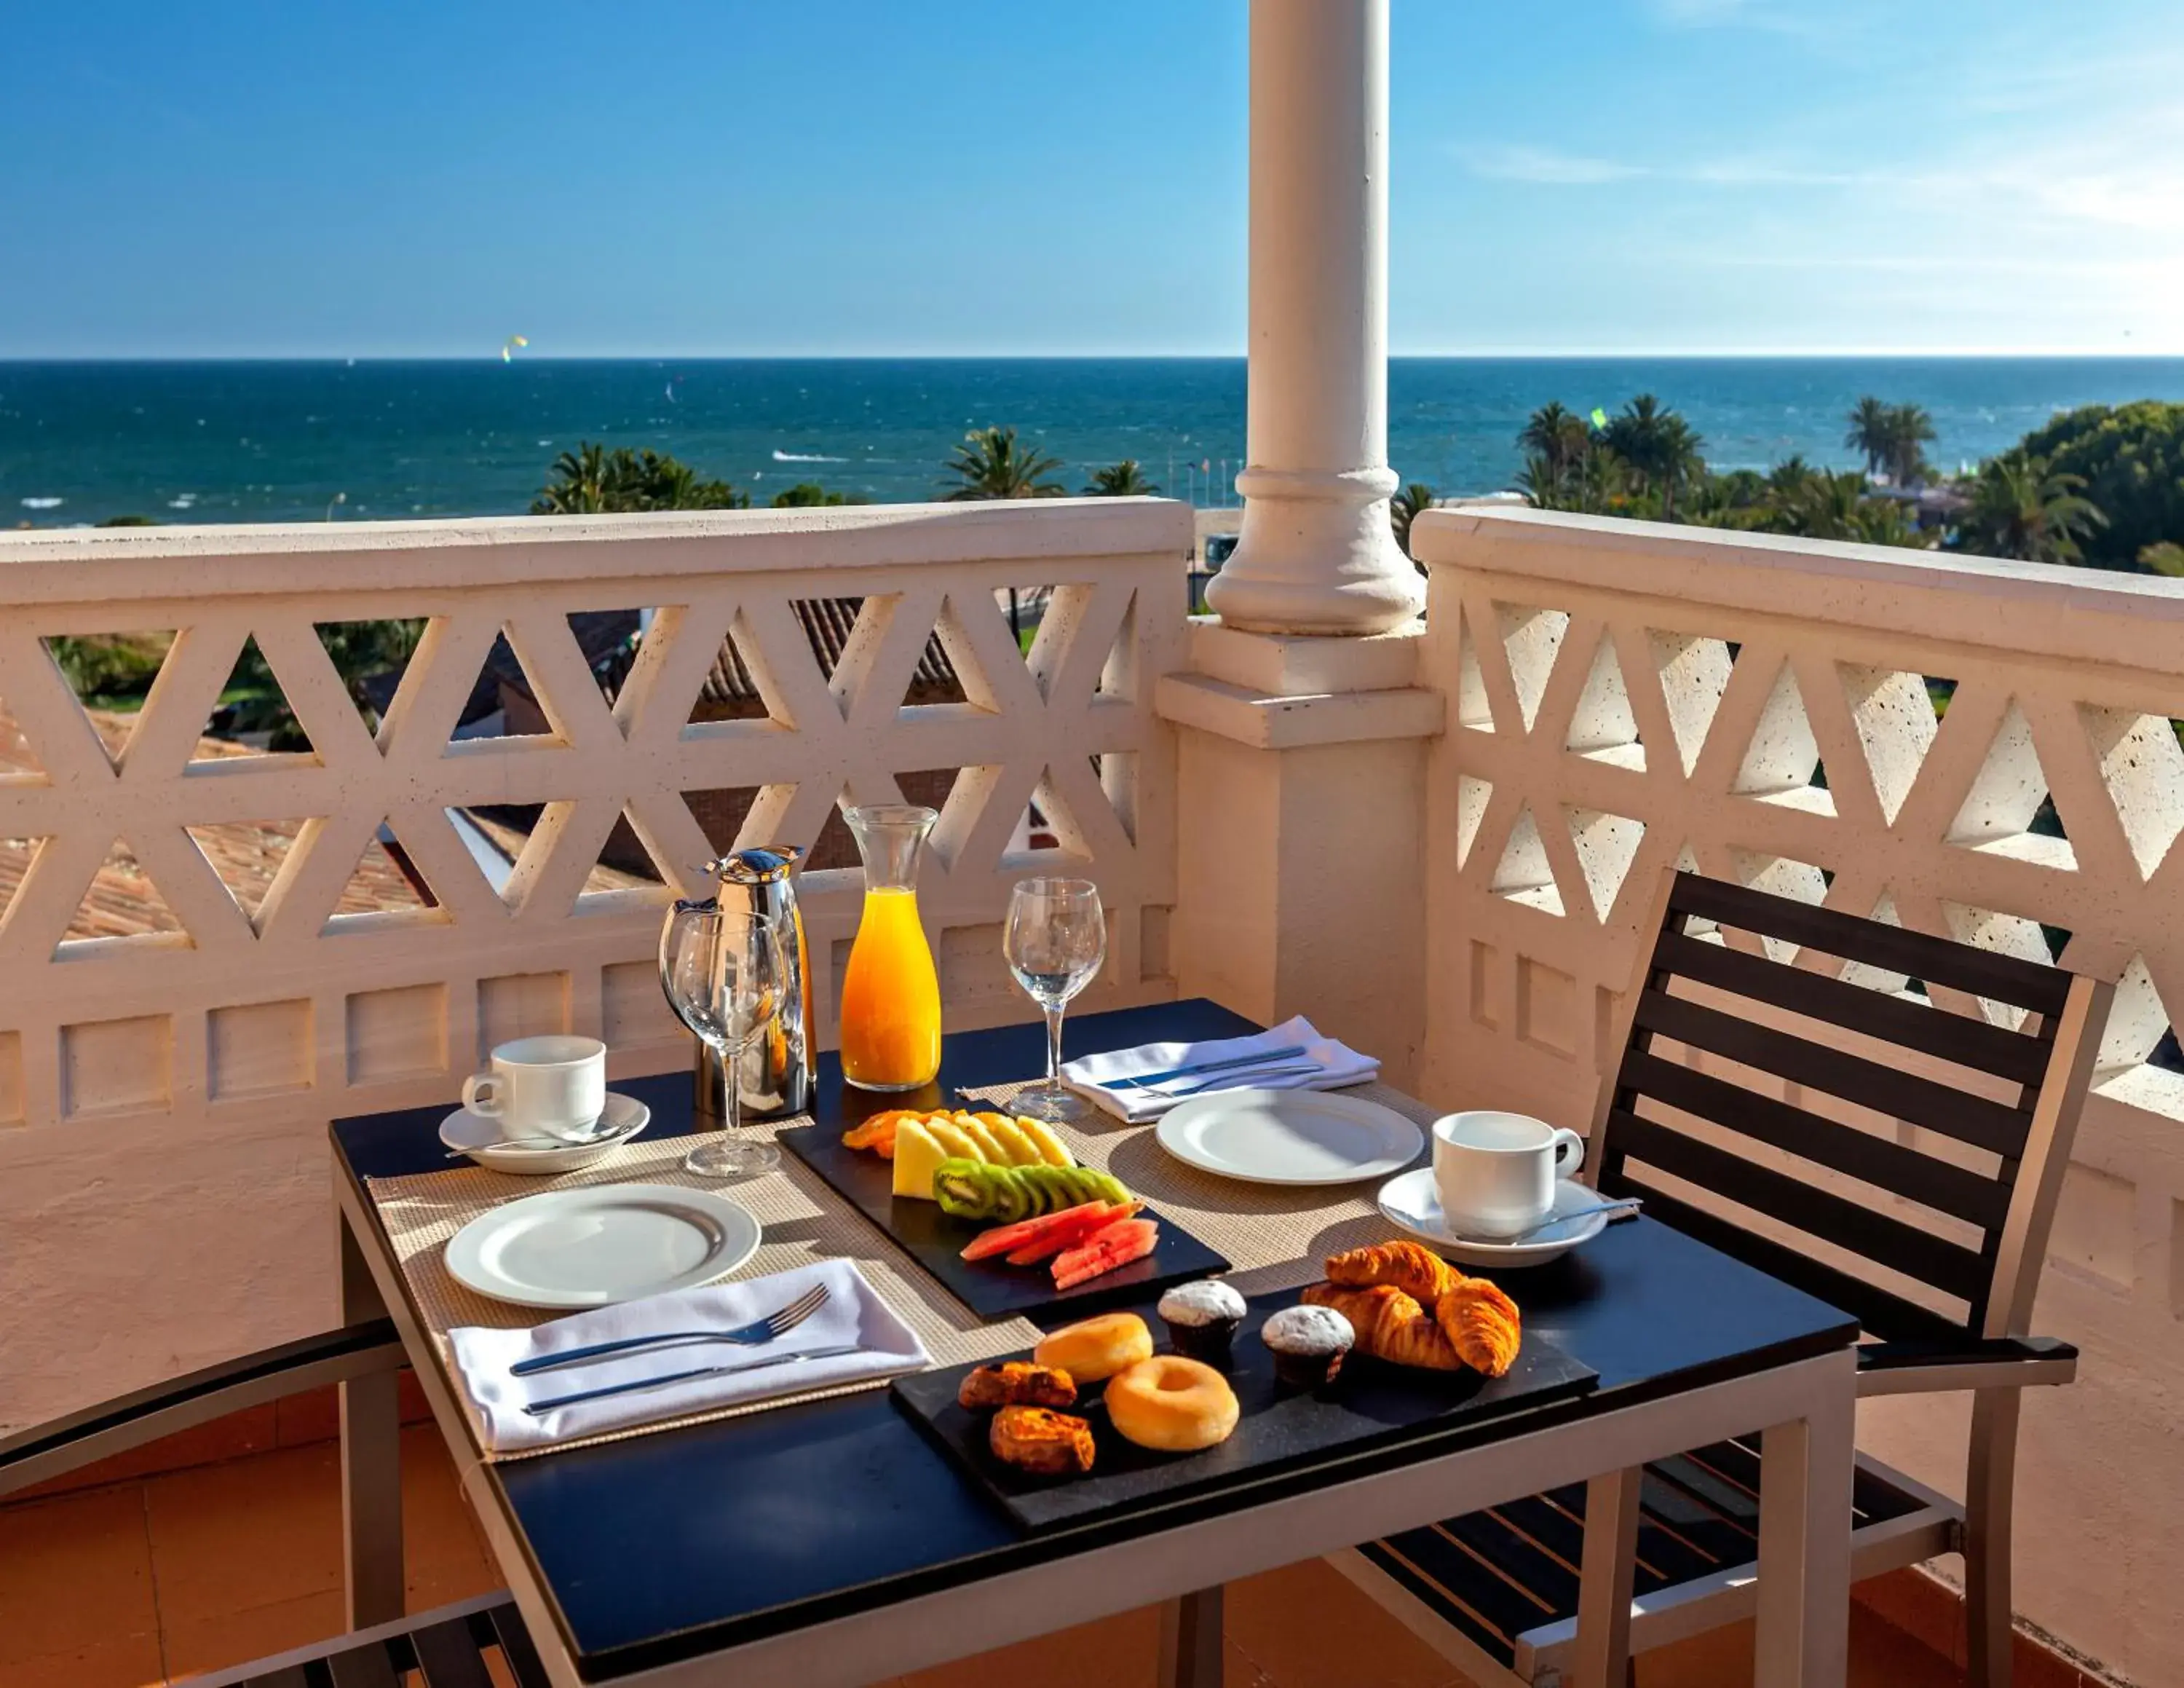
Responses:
[1256,1057]
[539,1409]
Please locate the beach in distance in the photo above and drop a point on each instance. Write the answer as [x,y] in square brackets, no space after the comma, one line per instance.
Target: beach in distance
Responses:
[271,441]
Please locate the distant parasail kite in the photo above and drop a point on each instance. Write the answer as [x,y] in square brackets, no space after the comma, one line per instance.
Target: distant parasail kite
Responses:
[508,347]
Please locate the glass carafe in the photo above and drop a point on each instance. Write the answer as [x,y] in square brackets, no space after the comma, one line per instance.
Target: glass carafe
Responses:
[890,990]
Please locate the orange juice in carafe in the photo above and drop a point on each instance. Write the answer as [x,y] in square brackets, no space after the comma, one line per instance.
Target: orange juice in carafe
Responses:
[890,990]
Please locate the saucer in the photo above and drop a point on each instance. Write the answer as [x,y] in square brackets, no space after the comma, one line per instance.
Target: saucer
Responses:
[482,1140]
[1413,1203]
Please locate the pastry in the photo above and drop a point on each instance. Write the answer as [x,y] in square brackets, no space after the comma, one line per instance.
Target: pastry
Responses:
[1202,1319]
[1482,1323]
[1171,1404]
[1412,1267]
[1307,1344]
[1097,1348]
[1016,1383]
[1391,1326]
[1035,1440]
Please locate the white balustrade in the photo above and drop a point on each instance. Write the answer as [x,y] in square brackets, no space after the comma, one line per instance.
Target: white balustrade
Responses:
[164,1095]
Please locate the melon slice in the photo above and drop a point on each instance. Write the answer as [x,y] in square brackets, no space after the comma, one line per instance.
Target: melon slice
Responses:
[918,1155]
[990,1149]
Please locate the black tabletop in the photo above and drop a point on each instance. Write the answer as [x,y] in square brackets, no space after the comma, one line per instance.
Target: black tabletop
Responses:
[694,1539]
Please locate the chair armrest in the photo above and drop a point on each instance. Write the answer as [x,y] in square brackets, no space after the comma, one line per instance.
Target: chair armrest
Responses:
[1919,1368]
[49,1450]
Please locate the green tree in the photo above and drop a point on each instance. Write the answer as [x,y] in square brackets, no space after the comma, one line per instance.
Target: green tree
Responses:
[991,464]
[2023,506]
[594,481]
[2165,558]
[1404,507]
[2131,460]
[1872,431]
[1125,479]
[1910,430]
[1662,449]
[1558,435]
[811,495]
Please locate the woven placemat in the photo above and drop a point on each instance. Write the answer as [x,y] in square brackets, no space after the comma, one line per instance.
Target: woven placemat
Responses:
[803,1221]
[1275,1237]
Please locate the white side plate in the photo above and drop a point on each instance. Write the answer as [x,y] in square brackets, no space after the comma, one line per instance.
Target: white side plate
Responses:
[1412,1203]
[593,1247]
[1289,1136]
[486,1141]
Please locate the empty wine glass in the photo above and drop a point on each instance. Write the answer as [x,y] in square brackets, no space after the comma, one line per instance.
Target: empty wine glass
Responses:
[724,973]
[1056,940]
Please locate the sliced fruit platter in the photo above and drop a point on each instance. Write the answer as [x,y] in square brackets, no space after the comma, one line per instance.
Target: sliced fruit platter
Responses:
[1019,1177]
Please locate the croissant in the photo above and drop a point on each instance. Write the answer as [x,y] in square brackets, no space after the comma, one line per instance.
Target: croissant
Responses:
[1412,1267]
[1482,1324]
[1390,1325]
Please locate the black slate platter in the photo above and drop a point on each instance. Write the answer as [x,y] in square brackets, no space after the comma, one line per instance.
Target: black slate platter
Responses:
[991,1287]
[1369,1404]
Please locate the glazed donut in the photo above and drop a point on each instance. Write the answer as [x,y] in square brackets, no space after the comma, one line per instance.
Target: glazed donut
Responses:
[1097,1348]
[1171,1404]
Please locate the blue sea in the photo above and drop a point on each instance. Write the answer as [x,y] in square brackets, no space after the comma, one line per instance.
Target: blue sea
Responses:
[284,441]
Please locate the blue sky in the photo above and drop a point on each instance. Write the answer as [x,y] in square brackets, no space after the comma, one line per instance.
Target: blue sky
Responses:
[868,176]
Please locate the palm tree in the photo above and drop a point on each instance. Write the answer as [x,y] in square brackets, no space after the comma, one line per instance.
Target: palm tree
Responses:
[1557,434]
[1872,431]
[991,464]
[1909,430]
[1662,449]
[1540,483]
[594,481]
[2165,556]
[1125,479]
[2022,508]
[1404,506]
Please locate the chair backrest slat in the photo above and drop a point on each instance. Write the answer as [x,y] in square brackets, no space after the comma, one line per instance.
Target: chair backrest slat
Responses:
[1719,1149]
[1941,961]
[1942,1107]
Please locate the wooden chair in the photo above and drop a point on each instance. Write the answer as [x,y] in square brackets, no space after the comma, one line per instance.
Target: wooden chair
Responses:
[1933,1236]
[449,1647]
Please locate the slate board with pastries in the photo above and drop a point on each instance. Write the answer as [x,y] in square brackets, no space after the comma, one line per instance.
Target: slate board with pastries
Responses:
[1371,1404]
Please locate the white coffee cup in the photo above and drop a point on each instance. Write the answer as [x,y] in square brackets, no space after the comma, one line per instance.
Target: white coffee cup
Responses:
[1496,1172]
[549,1087]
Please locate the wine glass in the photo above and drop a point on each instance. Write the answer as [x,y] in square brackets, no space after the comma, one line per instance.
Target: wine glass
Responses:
[1056,940]
[724,973]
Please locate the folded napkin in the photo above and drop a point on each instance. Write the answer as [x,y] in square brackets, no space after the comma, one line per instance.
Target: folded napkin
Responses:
[853,1313]
[1099,1077]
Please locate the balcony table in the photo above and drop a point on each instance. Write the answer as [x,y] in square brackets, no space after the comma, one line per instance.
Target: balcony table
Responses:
[829,1543]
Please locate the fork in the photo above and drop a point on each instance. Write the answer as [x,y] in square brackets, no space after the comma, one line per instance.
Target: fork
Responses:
[756,1335]
[1239,1080]
[539,1409]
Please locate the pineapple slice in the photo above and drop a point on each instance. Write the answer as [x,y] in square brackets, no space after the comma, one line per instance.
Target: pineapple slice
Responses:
[960,1144]
[990,1147]
[1051,1148]
[918,1155]
[1022,1151]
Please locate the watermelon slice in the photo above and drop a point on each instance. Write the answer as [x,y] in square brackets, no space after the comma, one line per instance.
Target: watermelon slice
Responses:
[1104,1250]
[1055,1239]
[1004,1238]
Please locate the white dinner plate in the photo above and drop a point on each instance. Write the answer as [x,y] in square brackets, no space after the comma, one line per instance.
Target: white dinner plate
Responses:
[1289,1136]
[1413,1203]
[593,1247]
[485,1140]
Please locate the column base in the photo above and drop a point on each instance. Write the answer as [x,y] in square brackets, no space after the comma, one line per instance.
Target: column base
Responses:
[1316,556]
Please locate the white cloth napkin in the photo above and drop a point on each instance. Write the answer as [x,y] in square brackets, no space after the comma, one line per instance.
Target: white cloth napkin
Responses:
[1335,1064]
[853,1313]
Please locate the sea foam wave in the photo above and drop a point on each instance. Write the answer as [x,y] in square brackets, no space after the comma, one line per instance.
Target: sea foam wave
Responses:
[43,503]
[781,456]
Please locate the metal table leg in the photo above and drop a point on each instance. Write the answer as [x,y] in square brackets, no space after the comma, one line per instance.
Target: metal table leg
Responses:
[1802,1639]
[371,1461]
[1190,1641]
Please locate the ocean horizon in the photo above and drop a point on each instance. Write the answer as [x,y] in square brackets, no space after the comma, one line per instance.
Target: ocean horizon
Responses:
[268,440]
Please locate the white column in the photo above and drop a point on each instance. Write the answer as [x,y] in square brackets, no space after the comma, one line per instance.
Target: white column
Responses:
[1316,555]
